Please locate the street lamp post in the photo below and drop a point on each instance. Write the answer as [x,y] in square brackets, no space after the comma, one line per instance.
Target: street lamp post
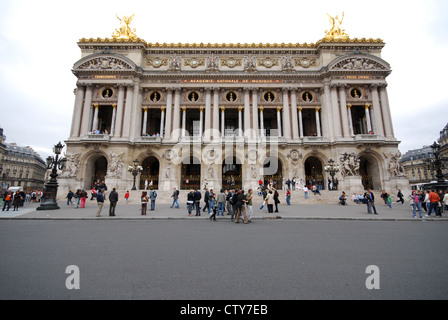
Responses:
[332,169]
[135,168]
[51,187]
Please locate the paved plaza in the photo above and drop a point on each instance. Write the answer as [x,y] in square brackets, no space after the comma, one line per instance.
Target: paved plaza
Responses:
[312,211]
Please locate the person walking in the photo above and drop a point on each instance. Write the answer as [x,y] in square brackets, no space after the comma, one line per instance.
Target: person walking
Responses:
[229,205]
[288,197]
[212,205]
[197,202]
[100,201]
[369,196]
[433,203]
[16,201]
[175,197]
[126,196]
[69,197]
[400,196]
[269,199]
[221,200]
[113,198]
[83,196]
[416,204]
[445,200]
[77,198]
[305,191]
[7,200]
[144,203]
[249,210]
[152,197]
[389,200]
[276,199]
[241,208]
[206,201]
[190,201]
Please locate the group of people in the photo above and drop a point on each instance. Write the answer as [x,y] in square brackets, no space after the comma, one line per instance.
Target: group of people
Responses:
[235,202]
[18,198]
[428,201]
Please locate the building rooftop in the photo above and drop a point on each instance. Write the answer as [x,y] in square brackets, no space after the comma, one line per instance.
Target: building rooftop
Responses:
[418,154]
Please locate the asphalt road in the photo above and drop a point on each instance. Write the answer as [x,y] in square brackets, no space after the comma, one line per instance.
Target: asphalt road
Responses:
[181,259]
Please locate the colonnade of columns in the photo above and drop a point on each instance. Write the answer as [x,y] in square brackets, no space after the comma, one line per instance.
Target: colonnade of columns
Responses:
[334,114]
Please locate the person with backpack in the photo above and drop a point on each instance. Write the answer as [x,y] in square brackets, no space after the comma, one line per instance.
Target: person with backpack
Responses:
[152,197]
[241,207]
[175,197]
[100,201]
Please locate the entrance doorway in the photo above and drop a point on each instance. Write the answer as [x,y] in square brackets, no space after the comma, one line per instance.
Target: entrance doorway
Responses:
[314,173]
[96,170]
[150,174]
[232,174]
[370,172]
[273,172]
[190,174]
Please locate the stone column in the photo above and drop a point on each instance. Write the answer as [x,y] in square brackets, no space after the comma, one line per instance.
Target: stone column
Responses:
[223,120]
[261,122]
[247,113]
[86,110]
[240,122]
[319,131]
[350,120]
[343,100]
[369,124]
[95,118]
[286,115]
[145,120]
[208,114]
[136,111]
[328,111]
[120,110]
[114,119]
[255,131]
[216,113]
[335,111]
[176,116]
[300,122]
[162,122]
[295,125]
[77,111]
[385,108]
[279,121]
[379,130]
[184,120]
[127,121]
[169,107]
[201,122]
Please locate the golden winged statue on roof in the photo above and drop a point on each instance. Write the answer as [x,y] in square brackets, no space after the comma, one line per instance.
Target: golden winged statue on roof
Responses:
[125,31]
[336,31]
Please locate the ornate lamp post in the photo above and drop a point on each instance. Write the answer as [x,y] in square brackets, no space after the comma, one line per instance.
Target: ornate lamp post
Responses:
[51,188]
[332,169]
[135,168]
[436,165]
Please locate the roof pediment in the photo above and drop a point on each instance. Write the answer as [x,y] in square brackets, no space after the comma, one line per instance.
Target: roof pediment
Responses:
[104,62]
[358,62]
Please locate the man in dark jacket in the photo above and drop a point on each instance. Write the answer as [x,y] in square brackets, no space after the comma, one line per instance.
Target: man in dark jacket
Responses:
[197,202]
[100,200]
[113,198]
[241,206]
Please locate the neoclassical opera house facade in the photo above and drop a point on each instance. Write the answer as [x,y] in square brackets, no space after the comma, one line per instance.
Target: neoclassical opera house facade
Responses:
[192,114]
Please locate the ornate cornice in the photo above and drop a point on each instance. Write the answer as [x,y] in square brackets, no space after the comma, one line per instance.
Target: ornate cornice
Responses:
[201,45]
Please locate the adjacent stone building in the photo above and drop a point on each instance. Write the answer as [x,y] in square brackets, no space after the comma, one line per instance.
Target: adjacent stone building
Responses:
[20,166]
[232,114]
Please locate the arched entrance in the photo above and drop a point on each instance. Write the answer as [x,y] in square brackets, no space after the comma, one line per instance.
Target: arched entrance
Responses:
[314,173]
[232,173]
[273,172]
[190,174]
[150,174]
[96,170]
[370,172]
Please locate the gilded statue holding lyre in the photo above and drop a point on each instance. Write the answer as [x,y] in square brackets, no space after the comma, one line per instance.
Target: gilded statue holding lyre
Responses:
[125,31]
[336,32]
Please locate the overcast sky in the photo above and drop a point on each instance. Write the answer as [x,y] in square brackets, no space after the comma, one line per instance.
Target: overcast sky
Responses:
[38,48]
